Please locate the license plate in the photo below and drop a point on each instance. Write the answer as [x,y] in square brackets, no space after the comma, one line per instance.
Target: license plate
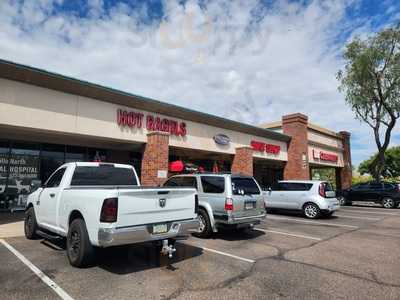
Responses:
[160,228]
[249,205]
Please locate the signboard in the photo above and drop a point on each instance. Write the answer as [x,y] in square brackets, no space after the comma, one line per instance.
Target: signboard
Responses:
[264,147]
[162,174]
[222,139]
[325,156]
[134,119]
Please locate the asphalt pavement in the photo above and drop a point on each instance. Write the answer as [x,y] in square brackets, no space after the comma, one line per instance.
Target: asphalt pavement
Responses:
[354,254]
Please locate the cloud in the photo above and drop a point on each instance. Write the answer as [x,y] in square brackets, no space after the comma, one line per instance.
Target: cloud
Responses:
[239,59]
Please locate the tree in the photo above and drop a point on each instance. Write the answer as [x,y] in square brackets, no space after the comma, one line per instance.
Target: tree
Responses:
[371,83]
[392,164]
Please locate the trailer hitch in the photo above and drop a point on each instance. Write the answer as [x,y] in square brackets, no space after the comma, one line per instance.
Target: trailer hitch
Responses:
[167,249]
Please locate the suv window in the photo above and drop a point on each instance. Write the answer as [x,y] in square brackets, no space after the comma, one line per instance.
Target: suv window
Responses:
[293,186]
[247,185]
[388,186]
[55,179]
[187,181]
[213,184]
[362,186]
[103,175]
[375,186]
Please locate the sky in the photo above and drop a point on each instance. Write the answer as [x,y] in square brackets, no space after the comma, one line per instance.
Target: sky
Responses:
[251,61]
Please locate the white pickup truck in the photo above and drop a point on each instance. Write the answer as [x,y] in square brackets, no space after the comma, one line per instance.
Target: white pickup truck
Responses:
[102,205]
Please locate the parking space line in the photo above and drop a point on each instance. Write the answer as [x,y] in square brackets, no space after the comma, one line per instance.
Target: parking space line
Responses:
[56,288]
[227,254]
[289,234]
[369,212]
[311,222]
[355,217]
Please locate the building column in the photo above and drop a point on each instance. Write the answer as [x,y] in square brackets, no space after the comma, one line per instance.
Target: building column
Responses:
[297,167]
[243,161]
[155,159]
[346,173]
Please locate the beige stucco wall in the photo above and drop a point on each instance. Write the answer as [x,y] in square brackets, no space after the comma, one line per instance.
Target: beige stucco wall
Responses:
[321,138]
[34,107]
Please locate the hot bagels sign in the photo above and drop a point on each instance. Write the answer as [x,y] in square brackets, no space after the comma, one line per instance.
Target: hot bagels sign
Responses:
[134,119]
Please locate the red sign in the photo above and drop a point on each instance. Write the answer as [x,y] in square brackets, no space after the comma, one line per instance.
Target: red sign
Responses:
[135,120]
[325,156]
[263,147]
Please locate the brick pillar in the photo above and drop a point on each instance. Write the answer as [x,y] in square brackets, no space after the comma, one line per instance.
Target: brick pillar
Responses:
[297,166]
[346,172]
[155,158]
[243,161]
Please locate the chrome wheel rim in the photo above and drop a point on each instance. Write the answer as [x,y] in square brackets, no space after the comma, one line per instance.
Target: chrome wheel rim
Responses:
[311,211]
[202,224]
[341,200]
[388,203]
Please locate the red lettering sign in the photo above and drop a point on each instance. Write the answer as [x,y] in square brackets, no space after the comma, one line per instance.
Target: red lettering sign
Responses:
[263,147]
[325,156]
[135,120]
[328,156]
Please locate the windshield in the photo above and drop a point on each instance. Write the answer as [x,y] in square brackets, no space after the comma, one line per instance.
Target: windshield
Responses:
[245,186]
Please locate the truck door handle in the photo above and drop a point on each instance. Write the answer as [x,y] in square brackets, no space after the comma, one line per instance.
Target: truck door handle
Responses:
[38,202]
[52,195]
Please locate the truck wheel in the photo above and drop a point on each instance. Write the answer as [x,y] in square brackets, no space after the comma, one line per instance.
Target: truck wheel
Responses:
[311,211]
[30,224]
[388,203]
[205,225]
[80,251]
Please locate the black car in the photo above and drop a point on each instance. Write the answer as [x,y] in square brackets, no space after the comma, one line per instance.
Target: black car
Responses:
[387,194]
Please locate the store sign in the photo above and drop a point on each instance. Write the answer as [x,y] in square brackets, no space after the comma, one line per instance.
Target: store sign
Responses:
[153,123]
[325,156]
[222,139]
[264,147]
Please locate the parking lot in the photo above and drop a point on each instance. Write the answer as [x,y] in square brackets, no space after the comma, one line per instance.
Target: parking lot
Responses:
[354,254]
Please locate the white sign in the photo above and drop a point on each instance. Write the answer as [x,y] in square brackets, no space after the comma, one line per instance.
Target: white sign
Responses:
[162,174]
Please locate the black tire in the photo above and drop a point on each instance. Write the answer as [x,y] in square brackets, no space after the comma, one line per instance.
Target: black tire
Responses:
[205,229]
[343,201]
[311,211]
[30,224]
[80,251]
[388,202]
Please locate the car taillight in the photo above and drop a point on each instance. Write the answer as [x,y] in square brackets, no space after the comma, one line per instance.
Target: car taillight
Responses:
[322,190]
[229,204]
[196,204]
[109,210]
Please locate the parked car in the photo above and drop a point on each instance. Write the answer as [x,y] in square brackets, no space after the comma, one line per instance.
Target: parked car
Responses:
[313,198]
[386,194]
[225,200]
[102,205]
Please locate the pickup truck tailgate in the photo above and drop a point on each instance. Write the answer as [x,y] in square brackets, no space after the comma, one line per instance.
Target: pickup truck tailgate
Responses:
[149,206]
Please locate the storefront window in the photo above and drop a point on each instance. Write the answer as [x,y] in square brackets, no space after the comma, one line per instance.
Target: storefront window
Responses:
[4,154]
[98,155]
[52,157]
[23,169]
[75,154]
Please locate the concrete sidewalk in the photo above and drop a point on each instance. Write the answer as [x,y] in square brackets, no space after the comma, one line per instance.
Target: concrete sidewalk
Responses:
[14,229]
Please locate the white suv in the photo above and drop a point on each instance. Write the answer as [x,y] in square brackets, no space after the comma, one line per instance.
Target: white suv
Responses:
[313,198]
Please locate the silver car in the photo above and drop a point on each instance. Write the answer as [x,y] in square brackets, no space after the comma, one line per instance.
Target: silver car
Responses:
[313,198]
[225,200]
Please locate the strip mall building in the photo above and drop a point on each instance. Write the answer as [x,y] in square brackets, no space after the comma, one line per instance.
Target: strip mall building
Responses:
[47,119]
